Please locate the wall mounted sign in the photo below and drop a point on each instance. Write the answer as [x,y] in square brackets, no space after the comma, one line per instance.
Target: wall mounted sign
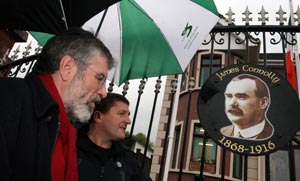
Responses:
[249,109]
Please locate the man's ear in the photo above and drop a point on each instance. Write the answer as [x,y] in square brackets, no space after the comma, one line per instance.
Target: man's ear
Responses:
[97,116]
[264,102]
[67,68]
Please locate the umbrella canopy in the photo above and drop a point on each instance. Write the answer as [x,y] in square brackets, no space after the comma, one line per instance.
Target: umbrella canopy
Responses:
[50,16]
[146,37]
[153,37]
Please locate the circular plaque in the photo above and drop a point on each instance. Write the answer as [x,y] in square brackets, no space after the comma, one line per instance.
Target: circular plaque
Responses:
[249,109]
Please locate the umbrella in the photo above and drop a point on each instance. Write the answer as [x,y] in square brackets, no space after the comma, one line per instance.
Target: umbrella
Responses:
[153,37]
[50,16]
[150,38]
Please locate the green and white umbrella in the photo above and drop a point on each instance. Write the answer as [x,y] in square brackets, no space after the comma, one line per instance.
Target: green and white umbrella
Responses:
[150,37]
[153,37]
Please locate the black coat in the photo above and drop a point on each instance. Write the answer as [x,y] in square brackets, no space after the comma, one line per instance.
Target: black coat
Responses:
[118,164]
[28,128]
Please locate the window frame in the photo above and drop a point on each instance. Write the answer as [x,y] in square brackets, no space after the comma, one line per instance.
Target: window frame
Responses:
[209,167]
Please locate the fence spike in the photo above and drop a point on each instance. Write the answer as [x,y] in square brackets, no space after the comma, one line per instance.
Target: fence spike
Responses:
[125,88]
[281,17]
[158,85]
[247,14]
[230,18]
[263,17]
[142,86]
[297,13]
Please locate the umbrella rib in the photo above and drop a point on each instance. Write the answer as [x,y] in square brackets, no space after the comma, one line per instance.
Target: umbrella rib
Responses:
[140,9]
[101,22]
[64,16]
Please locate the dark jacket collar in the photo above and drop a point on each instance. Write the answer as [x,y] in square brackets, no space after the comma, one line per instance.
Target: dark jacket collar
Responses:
[85,144]
[44,103]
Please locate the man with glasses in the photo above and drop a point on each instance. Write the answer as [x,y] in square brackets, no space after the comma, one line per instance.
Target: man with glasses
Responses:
[37,140]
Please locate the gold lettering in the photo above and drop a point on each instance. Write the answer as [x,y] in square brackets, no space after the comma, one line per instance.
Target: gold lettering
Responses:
[270,75]
[220,76]
[227,72]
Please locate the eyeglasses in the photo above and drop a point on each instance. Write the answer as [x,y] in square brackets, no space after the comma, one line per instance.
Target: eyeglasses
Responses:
[101,78]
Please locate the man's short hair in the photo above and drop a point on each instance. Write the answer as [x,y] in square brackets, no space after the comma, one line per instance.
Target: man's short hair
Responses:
[109,101]
[76,42]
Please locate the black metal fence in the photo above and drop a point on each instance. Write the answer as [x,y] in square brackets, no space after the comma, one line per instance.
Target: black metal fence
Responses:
[266,37]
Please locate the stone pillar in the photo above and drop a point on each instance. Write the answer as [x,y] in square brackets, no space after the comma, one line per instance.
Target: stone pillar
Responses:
[160,138]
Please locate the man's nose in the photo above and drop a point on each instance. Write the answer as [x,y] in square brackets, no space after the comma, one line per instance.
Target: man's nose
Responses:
[128,120]
[102,92]
[233,101]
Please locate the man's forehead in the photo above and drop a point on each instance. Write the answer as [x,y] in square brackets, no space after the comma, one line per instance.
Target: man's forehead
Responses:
[120,105]
[241,86]
[100,64]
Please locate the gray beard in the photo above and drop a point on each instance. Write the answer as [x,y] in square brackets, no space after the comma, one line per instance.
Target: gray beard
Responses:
[79,113]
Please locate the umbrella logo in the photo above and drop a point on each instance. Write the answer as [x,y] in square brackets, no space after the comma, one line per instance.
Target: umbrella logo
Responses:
[188,28]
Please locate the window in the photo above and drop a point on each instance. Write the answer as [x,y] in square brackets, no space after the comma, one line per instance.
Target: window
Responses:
[237,166]
[209,67]
[279,166]
[176,144]
[184,80]
[197,148]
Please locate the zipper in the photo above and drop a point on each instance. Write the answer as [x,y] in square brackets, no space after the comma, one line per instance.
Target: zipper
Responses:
[101,172]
